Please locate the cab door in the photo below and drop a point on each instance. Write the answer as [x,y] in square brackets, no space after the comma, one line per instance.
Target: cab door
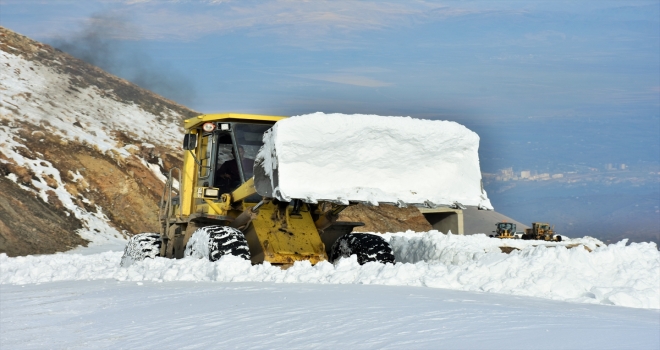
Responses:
[227,173]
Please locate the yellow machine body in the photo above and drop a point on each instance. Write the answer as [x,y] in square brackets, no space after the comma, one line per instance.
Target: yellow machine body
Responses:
[276,232]
[277,236]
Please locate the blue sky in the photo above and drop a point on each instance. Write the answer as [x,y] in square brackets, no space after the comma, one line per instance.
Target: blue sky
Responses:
[467,59]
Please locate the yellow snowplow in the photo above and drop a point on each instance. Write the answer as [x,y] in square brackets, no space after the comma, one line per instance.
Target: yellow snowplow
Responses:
[269,188]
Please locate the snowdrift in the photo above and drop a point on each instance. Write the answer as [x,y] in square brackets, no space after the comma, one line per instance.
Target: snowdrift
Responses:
[370,158]
[614,275]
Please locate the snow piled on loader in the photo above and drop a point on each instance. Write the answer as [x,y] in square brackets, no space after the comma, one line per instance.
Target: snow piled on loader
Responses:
[370,158]
[616,274]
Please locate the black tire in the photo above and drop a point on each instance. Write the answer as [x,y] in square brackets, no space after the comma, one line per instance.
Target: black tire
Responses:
[366,246]
[558,238]
[141,246]
[214,242]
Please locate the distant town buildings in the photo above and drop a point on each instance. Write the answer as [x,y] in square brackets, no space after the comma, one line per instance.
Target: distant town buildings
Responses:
[580,173]
[610,166]
[507,175]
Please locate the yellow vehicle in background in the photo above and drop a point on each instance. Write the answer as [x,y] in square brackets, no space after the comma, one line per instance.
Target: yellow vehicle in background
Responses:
[541,231]
[506,230]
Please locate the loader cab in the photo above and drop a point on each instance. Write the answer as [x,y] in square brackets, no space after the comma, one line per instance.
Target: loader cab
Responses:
[507,227]
[541,227]
[505,230]
[211,140]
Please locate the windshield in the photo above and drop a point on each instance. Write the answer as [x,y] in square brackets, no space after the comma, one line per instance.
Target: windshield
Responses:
[506,226]
[249,138]
[234,166]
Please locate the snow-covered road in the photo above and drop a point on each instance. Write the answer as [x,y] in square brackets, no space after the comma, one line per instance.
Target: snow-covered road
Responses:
[445,291]
[145,315]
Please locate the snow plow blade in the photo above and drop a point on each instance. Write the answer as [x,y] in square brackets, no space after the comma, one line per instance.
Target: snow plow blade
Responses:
[370,159]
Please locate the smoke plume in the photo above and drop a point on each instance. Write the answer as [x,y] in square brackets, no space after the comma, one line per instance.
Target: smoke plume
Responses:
[103,41]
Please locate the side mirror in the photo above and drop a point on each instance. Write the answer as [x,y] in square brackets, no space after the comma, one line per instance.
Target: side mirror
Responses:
[189,142]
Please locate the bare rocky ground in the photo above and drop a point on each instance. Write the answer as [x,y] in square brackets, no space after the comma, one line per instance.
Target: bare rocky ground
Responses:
[125,190]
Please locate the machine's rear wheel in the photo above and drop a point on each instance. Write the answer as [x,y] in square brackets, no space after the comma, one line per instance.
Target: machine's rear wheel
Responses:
[366,246]
[214,242]
[141,246]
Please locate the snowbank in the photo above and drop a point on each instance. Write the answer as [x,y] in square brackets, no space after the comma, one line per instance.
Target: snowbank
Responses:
[614,275]
[371,158]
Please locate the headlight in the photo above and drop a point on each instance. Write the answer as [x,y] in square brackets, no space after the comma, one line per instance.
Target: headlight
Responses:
[211,192]
[208,127]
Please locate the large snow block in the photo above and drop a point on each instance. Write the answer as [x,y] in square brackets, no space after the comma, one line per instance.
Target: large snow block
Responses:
[369,158]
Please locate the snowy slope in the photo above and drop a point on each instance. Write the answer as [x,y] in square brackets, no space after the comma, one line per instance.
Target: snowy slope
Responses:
[35,92]
[81,140]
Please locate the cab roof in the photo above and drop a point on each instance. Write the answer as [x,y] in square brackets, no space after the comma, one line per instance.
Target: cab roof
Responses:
[229,117]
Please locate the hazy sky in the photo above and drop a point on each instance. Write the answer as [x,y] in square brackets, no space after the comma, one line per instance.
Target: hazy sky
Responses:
[483,63]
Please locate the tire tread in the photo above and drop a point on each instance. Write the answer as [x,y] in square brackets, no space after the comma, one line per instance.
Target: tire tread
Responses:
[366,247]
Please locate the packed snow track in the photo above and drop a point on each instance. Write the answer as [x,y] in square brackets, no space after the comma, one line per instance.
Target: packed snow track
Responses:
[140,315]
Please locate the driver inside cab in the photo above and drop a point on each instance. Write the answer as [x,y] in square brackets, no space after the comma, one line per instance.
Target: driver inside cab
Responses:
[228,177]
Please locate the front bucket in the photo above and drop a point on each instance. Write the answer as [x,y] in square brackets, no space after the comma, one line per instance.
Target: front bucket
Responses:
[373,159]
